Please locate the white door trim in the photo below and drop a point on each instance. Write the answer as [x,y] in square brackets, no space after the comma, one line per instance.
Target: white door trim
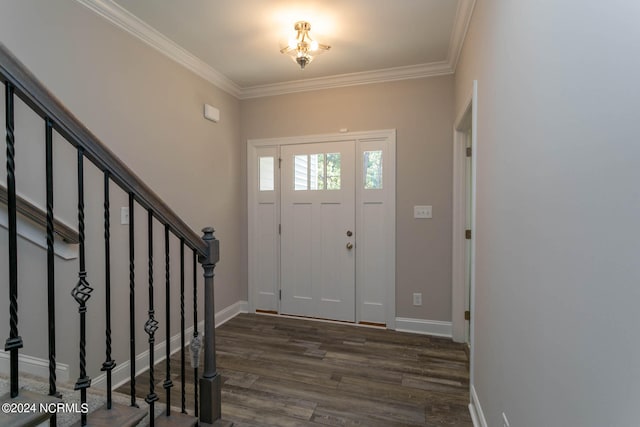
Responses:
[466,120]
[388,135]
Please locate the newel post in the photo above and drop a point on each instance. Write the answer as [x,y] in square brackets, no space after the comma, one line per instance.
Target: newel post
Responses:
[210,382]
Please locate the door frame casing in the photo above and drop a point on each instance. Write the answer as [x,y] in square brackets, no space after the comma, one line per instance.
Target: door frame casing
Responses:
[388,135]
[466,121]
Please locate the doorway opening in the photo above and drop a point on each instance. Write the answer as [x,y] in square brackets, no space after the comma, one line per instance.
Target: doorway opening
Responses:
[465,150]
[464,202]
[321,213]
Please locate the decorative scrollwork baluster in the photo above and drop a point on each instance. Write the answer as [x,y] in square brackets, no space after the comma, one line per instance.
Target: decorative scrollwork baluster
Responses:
[14,342]
[51,293]
[182,335]
[109,363]
[168,384]
[82,291]
[132,303]
[150,327]
[195,341]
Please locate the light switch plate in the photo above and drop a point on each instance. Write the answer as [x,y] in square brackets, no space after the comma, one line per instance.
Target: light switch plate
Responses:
[124,215]
[422,212]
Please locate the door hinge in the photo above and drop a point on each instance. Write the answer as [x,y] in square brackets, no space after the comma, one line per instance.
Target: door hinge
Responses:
[279,228]
[280,294]
[468,151]
[467,315]
[279,162]
[467,234]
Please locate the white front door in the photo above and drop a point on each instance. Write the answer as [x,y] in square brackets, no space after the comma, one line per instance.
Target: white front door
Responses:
[300,217]
[318,230]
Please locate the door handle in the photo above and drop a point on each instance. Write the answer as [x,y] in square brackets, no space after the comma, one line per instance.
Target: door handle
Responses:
[349,245]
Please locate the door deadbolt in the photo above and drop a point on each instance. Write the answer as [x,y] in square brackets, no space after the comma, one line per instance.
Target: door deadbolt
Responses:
[349,233]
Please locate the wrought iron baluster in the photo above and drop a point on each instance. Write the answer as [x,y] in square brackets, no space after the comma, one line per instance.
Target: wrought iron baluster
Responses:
[82,291]
[51,295]
[109,363]
[182,337]
[196,337]
[150,327]
[168,384]
[132,304]
[14,342]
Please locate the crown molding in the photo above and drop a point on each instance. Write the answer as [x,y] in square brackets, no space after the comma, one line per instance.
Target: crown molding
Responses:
[459,33]
[351,79]
[128,22]
[123,19]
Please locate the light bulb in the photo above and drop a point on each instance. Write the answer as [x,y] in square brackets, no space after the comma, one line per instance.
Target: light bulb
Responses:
[314,45]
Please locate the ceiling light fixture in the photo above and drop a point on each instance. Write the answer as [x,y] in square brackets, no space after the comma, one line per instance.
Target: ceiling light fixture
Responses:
[303,48]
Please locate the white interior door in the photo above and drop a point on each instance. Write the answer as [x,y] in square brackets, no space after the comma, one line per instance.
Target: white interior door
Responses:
[318,230]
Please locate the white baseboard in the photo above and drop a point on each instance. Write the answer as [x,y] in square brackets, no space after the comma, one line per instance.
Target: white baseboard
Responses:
[425,327]
[121,373]
[477,416]
[226,314]
[33,366]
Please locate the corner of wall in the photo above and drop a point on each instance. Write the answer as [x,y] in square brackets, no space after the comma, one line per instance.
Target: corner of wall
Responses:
[475,409]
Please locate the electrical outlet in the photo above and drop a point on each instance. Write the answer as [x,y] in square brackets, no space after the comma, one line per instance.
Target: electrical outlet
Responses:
[124,215]
[422,212]
[417,299]
[505,421]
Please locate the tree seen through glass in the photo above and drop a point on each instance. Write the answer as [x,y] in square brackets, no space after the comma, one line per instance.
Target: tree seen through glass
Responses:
[373,170]
[317,171]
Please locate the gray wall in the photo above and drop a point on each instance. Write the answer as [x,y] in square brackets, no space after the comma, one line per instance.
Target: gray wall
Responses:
[421,111]
[148,110]
[558,205]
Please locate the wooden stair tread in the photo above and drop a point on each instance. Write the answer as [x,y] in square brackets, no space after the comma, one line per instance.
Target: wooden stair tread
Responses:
[119,415]
[176,419]
[28,418]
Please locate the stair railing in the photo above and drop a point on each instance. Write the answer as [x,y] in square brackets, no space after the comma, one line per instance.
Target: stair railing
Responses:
[20,83]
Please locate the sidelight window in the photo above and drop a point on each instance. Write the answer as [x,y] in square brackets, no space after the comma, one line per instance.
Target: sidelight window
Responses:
[267,176]
[372,170]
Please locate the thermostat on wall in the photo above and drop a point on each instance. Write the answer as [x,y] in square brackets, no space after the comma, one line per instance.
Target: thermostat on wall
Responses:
[211,113]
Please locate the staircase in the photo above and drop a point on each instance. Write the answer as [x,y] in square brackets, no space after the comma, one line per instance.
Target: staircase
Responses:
[91,300]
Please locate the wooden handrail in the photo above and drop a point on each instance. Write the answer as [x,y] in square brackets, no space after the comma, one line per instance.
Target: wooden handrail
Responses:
[39,216]
[29,89]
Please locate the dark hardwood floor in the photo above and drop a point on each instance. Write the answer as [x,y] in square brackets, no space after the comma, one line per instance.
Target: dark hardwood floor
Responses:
[280,371]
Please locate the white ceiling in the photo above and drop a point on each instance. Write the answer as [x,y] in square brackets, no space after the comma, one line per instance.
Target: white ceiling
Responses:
[235,43]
